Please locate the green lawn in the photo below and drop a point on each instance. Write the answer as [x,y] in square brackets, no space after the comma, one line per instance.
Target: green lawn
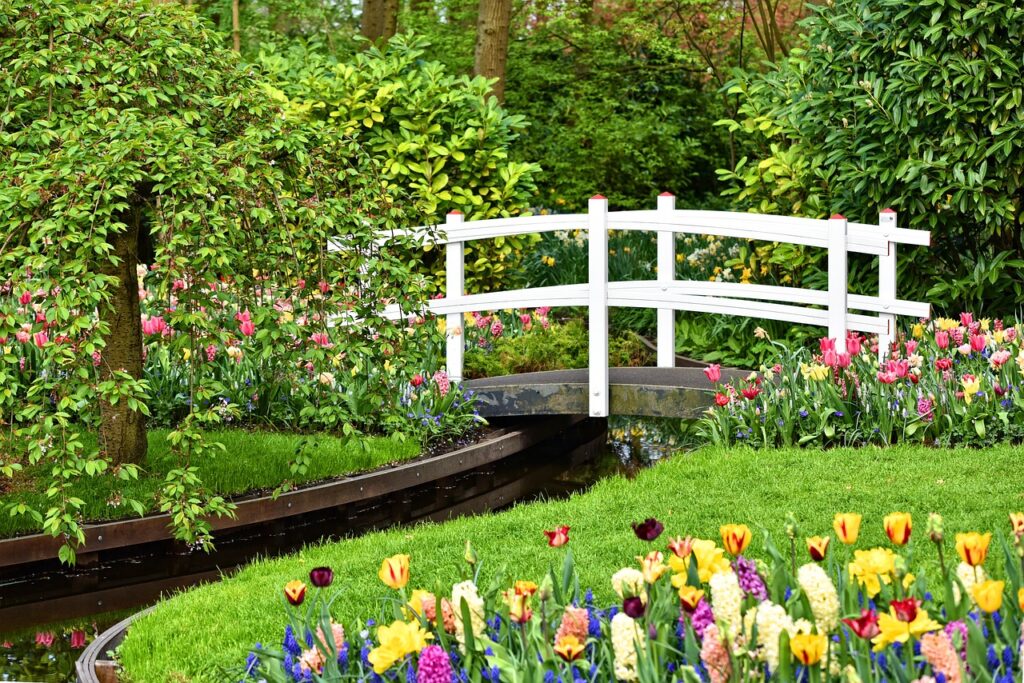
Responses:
[252,461]
[691,494]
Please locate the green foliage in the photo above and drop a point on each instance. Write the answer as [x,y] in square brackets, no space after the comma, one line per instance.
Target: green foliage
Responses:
[122,108]
[438,137]
[616,108]
[916,106]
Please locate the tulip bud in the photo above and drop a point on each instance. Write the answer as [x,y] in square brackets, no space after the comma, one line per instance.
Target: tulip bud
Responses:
[546,589]
[934,528]
[470,554]
[791,527]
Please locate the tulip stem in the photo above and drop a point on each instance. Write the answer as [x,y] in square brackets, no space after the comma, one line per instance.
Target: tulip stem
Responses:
[792,553]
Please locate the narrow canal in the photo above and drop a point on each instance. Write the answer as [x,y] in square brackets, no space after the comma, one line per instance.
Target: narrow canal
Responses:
[40,650]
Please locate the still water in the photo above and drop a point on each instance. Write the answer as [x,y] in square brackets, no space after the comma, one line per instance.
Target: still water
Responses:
[47,653]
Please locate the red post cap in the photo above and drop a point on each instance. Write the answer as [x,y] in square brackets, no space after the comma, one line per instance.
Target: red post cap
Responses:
[598,196]
[837,216]
[455,212]
[666,194]
[887,210]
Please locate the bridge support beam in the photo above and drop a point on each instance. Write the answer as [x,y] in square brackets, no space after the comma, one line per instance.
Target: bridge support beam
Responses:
[597,238]
[666,273]
[455,288]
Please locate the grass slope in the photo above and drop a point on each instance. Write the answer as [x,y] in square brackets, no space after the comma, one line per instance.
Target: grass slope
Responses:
[692,494]
[251,461]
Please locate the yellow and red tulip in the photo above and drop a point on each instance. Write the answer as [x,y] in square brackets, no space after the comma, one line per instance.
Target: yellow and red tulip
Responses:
[690,597]
[394,571]
[1017,523]
[735,538]
[989,595]
[897,527]
[973,547]
[808,648]
[817,546]
[652,566]
[569,648]
[681,547]
[295,591]
[847,527]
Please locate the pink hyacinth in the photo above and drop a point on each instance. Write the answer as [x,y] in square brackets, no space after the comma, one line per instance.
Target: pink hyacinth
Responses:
[938,650]
[97,358]
[497,328]
[483,321]
[575,622]
[715,656]
[442,382]
[924,409]
[24,335]
[211,353]
[434,665]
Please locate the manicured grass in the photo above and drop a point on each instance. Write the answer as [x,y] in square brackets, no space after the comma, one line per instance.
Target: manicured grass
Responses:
[186,637]
[251,461]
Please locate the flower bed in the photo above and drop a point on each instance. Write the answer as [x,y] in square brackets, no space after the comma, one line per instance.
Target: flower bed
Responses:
[944,382]
[691,609]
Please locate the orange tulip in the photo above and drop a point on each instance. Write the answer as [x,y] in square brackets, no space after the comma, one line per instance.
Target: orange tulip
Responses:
[973,547]
[817,546]
[295,591]
[569,648]
[897,527]
[847,527]
[394,571]
[735,538]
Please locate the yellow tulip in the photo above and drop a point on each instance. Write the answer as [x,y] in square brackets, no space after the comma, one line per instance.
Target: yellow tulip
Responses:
[809,648]
[988,594]
[897,527]
[569,648]
[690,597]
[652,566]
[872,568]
[394,571]
[518,606]
[973,547]
[847,527]
[892,629]
[397,641]
[187,353]
[1020,598]
[735,538]
[709,558]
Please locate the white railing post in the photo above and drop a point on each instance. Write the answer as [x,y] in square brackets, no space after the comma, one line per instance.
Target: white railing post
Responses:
[597,236]
[887,280]
[666,273]
[837,280]
[455,284]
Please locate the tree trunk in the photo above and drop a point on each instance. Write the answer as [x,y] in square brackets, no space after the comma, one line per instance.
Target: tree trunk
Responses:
[379,20]
[236,27]
[492,43]
[122,430]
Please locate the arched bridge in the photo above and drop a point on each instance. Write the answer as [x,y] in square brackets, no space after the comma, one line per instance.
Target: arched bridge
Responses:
[667,389]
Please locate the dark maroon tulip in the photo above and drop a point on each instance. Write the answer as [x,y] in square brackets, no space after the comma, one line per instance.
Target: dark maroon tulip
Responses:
[321,577]
[634,607]
[648,530]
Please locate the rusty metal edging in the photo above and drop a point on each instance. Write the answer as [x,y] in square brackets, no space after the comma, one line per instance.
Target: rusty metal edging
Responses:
[119,534]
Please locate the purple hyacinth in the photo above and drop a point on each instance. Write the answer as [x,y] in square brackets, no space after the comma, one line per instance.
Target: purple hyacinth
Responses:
[434,666]
[750,581]
[702,617]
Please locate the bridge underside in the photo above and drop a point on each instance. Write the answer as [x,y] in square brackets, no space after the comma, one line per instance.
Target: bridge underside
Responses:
[654,392]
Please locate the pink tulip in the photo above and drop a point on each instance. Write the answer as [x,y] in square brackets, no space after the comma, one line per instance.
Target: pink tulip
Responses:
[977,342]
[830,357]
[41,339]
[942,339]
[321,339]
[853,343]
[900,368]
[844,360]
[77,639]
[886,377]
[999,358]
[911,346]
[966,319]
[827,344]
[1011,333]
[247,328]
[44,638]
[543,311]
[153,325]
[713,372]
[244,316]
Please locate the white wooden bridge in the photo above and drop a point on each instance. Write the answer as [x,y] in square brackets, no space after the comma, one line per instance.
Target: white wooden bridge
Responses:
[834,309]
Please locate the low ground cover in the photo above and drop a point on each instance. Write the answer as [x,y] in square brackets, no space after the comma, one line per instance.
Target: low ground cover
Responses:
[251,461]
[191,635]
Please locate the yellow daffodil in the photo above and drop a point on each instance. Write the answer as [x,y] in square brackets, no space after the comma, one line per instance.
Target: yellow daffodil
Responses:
[872,568]
[397,641]
[847,527]
[917,330]
[988,594]
[973,547]
[893,630]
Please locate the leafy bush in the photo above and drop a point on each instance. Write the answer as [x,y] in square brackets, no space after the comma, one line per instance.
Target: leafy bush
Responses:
[437,136]
[910,105]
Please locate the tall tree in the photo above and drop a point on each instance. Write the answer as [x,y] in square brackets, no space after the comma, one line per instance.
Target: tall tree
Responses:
[379,21]
[491,56]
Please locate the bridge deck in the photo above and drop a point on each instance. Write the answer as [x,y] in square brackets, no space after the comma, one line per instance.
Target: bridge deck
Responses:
[656,392]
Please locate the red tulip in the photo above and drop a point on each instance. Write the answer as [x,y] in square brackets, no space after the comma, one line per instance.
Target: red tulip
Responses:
[943,363]
[25,298]
[722,400]
[906,610]
[295,591]
[751,393]
[77,639]
[865,626]
[558,537]
[417,380]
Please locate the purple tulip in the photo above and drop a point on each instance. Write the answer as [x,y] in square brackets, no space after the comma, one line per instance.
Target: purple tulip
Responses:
[648,530]
[634,607]
[321,577]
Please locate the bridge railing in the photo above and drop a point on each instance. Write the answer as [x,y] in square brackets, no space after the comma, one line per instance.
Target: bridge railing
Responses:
[829,308]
